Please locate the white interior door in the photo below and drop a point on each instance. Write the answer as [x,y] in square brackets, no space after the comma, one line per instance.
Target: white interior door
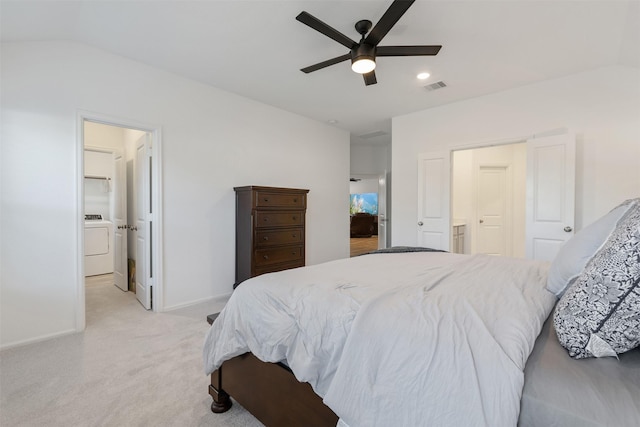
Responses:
[492,211]
[119,217]
[550,194]
[434,200]
[144,269]
[382,211]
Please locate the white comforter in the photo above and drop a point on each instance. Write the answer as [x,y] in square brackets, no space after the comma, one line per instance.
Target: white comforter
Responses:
[414,339]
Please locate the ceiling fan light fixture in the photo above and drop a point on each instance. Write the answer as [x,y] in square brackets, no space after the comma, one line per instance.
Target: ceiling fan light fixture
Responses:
[363,65]
[363,59]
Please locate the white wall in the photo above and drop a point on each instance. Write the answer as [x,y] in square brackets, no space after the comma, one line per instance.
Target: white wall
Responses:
[212,141]
[462,195]
[97,191]
[368,185]
[97,135]
[370,160]
[601,106]
[98,196]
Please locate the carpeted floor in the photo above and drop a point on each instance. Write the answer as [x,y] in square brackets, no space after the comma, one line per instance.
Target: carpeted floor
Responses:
[129,367]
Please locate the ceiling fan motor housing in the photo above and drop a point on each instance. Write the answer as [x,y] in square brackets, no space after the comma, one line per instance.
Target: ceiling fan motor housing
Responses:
[363,51]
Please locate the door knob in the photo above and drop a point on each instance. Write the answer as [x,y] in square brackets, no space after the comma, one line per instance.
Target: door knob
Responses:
[482,221]
[420,223]
[568,229]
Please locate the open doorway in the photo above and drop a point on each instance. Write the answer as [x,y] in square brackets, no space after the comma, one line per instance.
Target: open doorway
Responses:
[120,205]
[488,200]
[549,194]
[368,214]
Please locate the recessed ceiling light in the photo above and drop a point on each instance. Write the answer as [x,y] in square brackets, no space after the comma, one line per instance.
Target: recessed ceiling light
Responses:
[423,76]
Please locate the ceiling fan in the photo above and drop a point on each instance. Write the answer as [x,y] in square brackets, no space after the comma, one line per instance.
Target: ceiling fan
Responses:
[363,53]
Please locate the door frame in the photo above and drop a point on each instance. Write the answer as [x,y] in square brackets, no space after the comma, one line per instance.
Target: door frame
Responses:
[156,177]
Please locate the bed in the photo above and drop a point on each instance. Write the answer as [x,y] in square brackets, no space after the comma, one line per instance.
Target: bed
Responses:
[414,338]
[560,391]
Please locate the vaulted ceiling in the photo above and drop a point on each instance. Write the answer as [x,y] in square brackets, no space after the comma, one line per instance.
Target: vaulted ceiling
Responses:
[256,48]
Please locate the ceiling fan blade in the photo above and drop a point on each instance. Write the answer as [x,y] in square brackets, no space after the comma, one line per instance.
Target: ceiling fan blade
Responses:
[388,20]
[325,29]
[370,78]
[326,63]
[407,50]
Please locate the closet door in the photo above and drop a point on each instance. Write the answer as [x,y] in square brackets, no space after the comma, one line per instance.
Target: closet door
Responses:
[550,194]
[144,268]
[434,200]
[119,217]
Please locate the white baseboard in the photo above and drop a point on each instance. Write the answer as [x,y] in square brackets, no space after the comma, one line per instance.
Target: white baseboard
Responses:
[214,299]
[37,339]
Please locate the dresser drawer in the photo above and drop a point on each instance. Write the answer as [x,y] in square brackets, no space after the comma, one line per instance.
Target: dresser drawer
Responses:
[266,199]
[272,237]
[264,257]
[279,219]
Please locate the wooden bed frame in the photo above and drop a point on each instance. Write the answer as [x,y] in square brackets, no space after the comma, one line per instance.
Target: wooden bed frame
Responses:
[269,391]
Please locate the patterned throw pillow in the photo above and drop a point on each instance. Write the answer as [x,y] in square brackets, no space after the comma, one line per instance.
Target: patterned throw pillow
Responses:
[599,315]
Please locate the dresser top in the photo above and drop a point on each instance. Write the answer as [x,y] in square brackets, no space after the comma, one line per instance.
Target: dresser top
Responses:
[271,189]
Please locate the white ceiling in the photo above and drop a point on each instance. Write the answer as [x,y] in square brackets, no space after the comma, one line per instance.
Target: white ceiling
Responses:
[256,48]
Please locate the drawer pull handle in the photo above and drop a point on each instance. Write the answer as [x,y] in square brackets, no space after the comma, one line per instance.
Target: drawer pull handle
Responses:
[266,219]
[293,235]
[266,199]
[293,253]
[294,218]
[265,238]
[266,257]
[295,200]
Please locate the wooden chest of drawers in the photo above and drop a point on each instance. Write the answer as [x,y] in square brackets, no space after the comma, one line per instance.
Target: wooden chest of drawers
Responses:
[270,230]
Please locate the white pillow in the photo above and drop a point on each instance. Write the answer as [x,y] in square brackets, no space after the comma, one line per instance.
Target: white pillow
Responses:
[576,253]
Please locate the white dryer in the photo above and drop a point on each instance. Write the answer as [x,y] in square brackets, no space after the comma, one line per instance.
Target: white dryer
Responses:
[98,245]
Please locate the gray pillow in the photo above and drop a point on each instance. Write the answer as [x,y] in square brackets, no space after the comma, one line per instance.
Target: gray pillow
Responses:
[599,315]
[578,251]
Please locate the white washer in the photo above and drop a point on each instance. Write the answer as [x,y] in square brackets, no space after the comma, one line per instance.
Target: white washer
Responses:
[98,245]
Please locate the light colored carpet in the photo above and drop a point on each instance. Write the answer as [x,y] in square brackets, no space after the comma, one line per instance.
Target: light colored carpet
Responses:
[129,367]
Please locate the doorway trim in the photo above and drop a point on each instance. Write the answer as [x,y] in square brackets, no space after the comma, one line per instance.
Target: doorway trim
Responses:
[156,177]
